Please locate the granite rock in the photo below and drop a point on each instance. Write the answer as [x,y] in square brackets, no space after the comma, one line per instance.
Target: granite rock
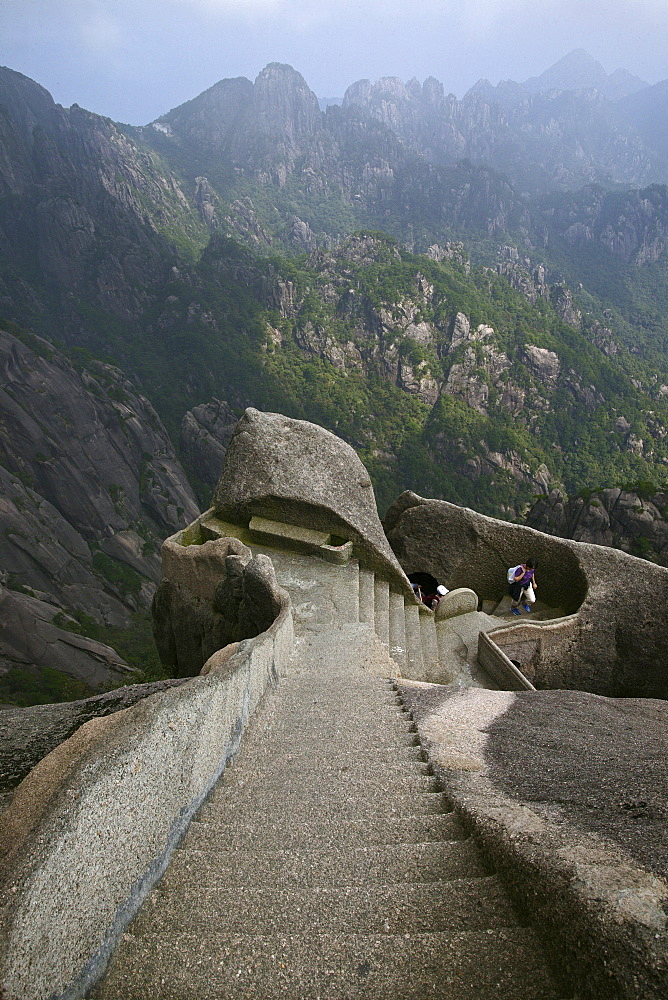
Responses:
[29,734]
[297,472]
[31,639]
[612,634]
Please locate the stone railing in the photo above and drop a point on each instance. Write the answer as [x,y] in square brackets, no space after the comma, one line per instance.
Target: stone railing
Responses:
[500,667]
[521,653]
[92,828]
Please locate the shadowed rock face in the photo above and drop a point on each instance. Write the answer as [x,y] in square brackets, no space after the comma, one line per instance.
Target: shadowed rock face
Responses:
[84,461]
[31,639]
[615,642]
[294,471]
[205,434]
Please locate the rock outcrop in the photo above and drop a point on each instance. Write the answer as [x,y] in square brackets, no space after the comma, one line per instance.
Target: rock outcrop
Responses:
[206,431]
[86,467]
[212,594]
[604,642]
[31,639]
[621,518]
[294,471]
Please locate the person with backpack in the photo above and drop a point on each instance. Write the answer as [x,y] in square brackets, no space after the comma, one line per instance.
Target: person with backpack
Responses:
[521,584]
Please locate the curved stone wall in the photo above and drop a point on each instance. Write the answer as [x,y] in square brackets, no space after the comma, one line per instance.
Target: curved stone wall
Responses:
[92,827]
[615,633]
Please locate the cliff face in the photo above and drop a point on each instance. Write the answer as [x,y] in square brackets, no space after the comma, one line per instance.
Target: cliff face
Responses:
[89,487]
[631,226]
[89,478]
[543,138]
[623,519]
[84,213]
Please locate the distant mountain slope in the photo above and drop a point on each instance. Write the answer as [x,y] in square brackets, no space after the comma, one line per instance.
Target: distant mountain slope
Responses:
[89,487]
[120,270]
[648,111]
[580,71]
[85,214]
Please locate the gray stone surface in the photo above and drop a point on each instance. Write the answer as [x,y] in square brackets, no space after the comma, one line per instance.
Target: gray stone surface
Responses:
[598,764]
[460,601]
[298,876]
[84,459]
[567,792]
[614,643]
[29,734]
[212,594]
[93,825]
[620,518]
[297,472]
[30,639]
[205,434]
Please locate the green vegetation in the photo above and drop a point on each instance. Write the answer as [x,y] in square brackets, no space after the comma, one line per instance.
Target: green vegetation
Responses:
[22,686]
[134,644]
[124,578]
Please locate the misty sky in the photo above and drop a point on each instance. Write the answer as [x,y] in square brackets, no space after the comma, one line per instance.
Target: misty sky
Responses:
[134,60]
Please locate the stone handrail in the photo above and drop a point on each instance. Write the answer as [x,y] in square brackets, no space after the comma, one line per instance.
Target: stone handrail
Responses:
[92,828]
[500,667]
[520,652]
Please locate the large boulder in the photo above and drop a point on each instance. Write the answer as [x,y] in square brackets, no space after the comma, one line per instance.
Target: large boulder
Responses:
[297,472]
[213,593]
[611,633]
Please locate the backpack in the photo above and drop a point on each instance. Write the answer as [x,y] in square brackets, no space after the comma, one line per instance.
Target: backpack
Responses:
[511,573]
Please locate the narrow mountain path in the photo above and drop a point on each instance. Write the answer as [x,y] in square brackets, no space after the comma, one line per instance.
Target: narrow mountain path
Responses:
[326,865]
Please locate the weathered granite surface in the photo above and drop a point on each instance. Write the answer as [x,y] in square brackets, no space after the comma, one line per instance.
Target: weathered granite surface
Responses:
[29,638]
[86,459]
[294,471]
[567,794]
[29,734]
[212,593]
[205,433]
[615,640]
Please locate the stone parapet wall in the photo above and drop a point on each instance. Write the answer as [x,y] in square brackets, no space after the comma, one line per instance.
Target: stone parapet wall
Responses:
[500,667]
[537,649]
[93,826]
[29,734]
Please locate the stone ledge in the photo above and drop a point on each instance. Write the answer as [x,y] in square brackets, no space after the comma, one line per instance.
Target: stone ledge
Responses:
[600,914]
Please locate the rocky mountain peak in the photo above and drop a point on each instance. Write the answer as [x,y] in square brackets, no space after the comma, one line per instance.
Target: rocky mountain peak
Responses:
[211,117]
[28,104]
[283,100]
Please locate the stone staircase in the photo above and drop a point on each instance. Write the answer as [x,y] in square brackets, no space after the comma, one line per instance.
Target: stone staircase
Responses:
[326,865]
[422,647]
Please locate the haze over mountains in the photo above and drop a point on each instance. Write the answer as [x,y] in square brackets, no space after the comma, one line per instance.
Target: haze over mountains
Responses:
[472,292]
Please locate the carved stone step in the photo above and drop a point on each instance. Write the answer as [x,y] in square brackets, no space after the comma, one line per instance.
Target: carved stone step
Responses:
[468,965]
[395,908]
